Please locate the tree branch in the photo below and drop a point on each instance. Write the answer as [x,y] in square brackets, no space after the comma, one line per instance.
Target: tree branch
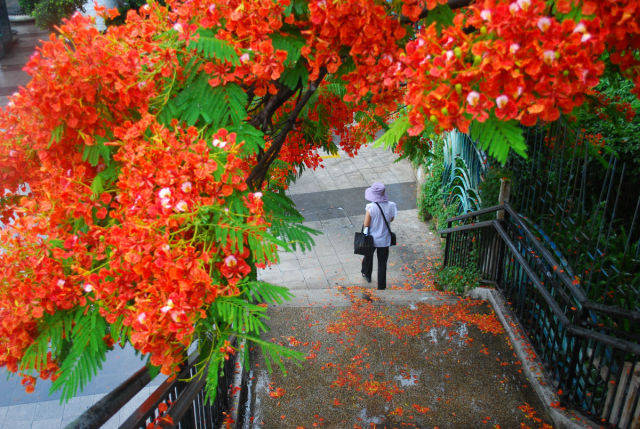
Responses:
[272,103]
[259,172]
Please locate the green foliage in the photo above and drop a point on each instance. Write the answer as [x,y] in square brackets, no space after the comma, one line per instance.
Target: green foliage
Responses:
[490,186]
[394,133]
[457,279]
[211,47]
[49,13]
[286,222]
[266,292]
[498,137]
[200,103]
[275,353]
[291,43]
[27,6]
[77,338]
[297,7]
[291,77]
[241,317]
[253,138]
[610,119]
[433,195]
[86,354]
[295,72]
[417,149]
[441,15]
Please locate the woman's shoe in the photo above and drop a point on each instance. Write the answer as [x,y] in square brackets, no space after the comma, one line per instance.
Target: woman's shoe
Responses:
[367,278]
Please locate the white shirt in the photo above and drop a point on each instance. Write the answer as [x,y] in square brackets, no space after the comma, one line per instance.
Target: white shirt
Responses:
[378,229]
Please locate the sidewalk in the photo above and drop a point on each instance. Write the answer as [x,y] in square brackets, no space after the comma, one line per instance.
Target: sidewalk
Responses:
[411,356]
[39,409]
[11,74]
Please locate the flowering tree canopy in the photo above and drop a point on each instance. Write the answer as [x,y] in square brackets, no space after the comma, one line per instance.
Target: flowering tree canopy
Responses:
[143,168]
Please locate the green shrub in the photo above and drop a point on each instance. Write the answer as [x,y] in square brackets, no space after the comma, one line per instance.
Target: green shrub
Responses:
[457,279]
[27,6]
[432,202]
[49,13]
[124,6]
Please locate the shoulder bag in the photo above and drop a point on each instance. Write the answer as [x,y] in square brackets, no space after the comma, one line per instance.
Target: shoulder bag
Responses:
[362,243]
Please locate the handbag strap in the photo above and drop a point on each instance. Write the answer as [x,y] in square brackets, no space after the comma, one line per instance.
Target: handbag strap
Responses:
[384,217]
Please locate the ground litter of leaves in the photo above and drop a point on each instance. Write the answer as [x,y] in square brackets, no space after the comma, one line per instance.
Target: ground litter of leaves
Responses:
[380,364]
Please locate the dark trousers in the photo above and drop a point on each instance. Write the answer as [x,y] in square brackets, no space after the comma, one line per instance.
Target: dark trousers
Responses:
[367,265]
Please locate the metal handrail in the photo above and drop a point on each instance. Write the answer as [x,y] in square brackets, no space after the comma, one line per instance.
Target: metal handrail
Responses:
[532,275]
[476,213]
[105,408]
[465,227]
[555,308]
[578,293]
[151,403]
[180,391]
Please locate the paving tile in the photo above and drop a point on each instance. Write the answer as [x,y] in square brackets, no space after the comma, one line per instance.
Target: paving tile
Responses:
[295,285]
[293,276]
[79,405]
[17,424]
[49,410]
[291,265]
[47,423]
[21,412]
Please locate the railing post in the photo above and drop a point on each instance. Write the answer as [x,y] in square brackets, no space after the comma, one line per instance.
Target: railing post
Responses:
[505,193]
[447,245]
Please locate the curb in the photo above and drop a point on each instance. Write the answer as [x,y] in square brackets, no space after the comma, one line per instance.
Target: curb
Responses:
[532,367]
[19,19]
[238,385]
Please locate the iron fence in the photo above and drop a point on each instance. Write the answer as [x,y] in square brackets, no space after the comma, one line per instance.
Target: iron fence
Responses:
[583,202]
[464,169]
[594,362]
[182,398]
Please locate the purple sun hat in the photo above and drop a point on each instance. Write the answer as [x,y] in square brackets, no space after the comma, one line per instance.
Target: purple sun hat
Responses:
[375,193]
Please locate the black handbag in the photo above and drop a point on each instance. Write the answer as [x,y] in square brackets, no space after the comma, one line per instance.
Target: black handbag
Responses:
[362,243]
[393,235]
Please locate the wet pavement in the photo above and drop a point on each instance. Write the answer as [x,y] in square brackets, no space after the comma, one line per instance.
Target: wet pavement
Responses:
[408,356]
[415,369]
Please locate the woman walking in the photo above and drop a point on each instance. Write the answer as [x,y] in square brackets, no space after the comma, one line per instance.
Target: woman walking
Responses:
[379,213]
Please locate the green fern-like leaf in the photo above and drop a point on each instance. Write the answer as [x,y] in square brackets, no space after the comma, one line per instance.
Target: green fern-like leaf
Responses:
[498,137]
[85,355]
[395,132]
[219,107]
[292,76]
[264,292]
[241,315]
[253,138]
[441,15]
[275,353]
[286,222]
[210,47]
[299,7]
[290,43]
[334,88]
